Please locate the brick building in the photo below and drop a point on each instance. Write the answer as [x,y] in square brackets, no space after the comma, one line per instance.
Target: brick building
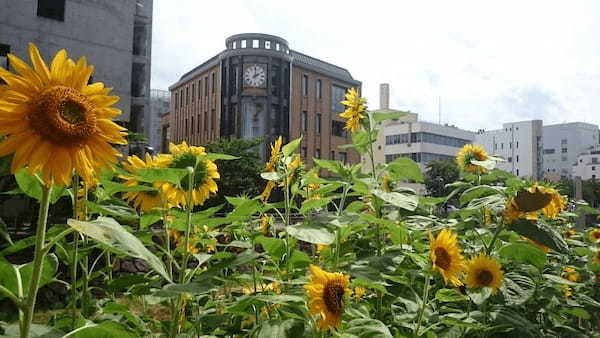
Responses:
[259,87]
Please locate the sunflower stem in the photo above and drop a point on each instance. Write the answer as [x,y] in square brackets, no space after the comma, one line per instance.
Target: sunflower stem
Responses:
[424,301]
[180,307]
[38,261]
[338,235]
[490,246]
[75,254]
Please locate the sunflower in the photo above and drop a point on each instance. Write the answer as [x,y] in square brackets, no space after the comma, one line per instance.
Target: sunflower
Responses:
[468,153]
[484,271]
[597,256]
[322,247]
[533,199]
[385,184]
[292,168]
[570,274]
[55,121]
[446,257]
[570,233]
[355,107]
[144,200]
[567,291]
[205,174]
[359,292]
[327,292]
[271,166]
[265,224]
[594,235]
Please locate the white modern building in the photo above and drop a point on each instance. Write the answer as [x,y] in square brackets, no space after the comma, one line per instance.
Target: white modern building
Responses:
[519,144]
[563,143]
[421,141]
[587,165]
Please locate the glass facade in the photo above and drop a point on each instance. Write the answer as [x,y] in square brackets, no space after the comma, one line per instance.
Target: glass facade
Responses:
[423,137]
[337,96]
[423,158]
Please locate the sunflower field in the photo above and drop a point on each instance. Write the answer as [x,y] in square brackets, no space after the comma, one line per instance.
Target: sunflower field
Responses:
[334,251]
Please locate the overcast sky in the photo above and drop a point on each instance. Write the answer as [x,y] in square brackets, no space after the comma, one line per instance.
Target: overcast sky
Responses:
[489,61]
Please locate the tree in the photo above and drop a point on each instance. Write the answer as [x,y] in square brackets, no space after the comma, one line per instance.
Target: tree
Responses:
[241,176]
[440,173]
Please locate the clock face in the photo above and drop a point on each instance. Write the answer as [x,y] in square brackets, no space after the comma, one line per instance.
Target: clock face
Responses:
[255,76]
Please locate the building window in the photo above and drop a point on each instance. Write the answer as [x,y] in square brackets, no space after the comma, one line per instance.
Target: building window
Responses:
[318,153]
[206,86]
[243,43]
[176,100]
[51,9]
[304,121]
[268,44]
[187,95]
[303,152]
[138,79]
[318,123]
[517,172]
[563,142]
[213,82]
[140,40]
[509,159]
[509,145]
[593,177]
[549,151]
[305,85]
[594,160]
[318,89]
[343,157]
[193,92]
[337,128]
[234,45]
[501,145]
[199,89]
[593,168]
[337,96]
[563,150]
[255,43]
[517,144]
[192,125]
[517,158]
[563,158]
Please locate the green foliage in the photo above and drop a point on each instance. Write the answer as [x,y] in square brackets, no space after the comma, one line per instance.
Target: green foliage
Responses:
[438,175]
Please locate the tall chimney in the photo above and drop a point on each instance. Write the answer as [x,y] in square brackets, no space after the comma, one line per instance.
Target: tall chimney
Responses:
[384,96]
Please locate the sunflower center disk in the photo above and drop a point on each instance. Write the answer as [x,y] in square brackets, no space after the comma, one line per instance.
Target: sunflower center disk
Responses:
[528,202]
[190,160]
[484,277]
[63,115]
[442,258]
[333,297]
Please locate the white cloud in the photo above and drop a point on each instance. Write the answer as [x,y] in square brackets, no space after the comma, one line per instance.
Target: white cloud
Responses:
[491,62]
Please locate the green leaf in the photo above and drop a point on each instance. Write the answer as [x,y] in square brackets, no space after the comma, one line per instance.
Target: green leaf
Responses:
[170,175]
[315,203]
[478,296]
[4,232]
[400,200]
[124,212]
[271,176]
[122,283]
[194,288]
[213,156]
[384,116]
[5,162]
[289,148]
[524,253]
[403,168]
[49,269]
[279,328]
[450,296]
[111,188]
[366,327]
[273,246]
[107,329]
[311,234]
[35,331]
[517,289]
[560,280]
[541,233]
[299,259]
[578,312]
[487,164]
[333,166]
[149,218]
[110,233]
[31,185]
[476,192]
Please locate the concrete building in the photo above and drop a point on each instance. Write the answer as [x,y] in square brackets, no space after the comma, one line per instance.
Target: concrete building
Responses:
[115,36]
[563,143]
[160,101]
[587,165]
[165,132]
[259,87]
[519,143]
[421,141]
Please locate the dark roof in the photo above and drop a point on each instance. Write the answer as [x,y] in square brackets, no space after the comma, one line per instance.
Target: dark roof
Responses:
[313,62]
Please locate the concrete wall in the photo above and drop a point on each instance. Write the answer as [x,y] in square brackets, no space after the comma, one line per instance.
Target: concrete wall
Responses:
[587,166]
[563,143]
[519,143]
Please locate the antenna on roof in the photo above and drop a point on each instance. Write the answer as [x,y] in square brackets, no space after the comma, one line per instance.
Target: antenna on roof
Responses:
[440,109]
